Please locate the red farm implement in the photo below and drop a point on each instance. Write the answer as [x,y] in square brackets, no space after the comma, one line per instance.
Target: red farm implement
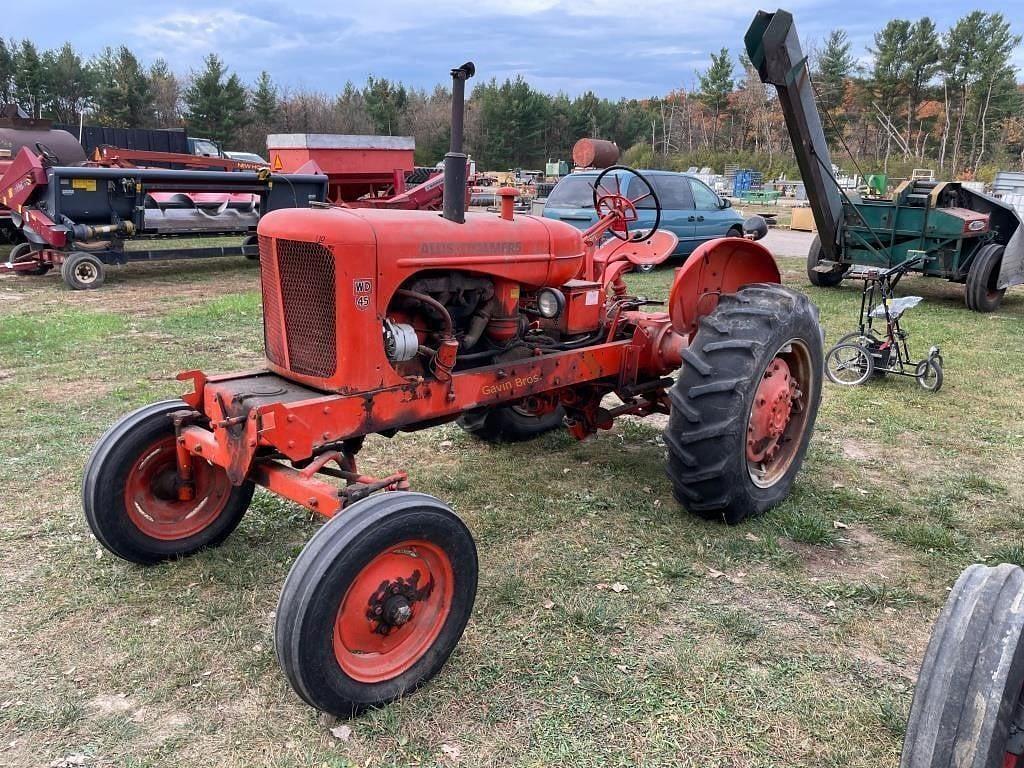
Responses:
[362,171]
[382,321]
[78,218]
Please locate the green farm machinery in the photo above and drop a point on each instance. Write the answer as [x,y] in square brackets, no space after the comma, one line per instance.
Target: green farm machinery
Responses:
[962,235]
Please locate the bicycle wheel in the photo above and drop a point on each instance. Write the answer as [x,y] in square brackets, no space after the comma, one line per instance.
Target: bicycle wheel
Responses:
[848,365]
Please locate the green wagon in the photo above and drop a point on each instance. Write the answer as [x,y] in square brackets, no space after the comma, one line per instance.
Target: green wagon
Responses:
[966,236]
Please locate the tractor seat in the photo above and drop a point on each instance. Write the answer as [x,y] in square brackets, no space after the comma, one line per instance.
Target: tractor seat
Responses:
[897,306]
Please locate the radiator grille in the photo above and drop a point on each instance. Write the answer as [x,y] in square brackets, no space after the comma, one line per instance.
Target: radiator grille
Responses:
[299,311]
[273,322]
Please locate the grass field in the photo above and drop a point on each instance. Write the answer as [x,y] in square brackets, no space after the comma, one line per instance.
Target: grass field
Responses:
[790,641]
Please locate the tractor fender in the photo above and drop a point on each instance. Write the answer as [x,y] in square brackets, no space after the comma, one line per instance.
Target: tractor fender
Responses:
[1011,271]
[717,267]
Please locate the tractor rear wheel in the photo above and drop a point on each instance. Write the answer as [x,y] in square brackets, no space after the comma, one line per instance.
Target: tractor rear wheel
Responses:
[510,423]
[376,602]
[82,271]
[821,279]
[982,293]
[744,405]
[130,492]
[968,708]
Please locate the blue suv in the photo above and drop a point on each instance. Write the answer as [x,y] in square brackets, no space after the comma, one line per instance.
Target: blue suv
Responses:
[689,207]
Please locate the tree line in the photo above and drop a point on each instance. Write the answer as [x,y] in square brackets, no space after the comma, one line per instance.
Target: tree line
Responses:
[919,96]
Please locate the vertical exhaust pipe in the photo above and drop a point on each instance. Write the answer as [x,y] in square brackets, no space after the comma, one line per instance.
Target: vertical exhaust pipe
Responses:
[455,161]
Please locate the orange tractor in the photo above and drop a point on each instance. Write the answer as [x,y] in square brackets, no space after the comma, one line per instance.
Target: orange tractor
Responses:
[382,321]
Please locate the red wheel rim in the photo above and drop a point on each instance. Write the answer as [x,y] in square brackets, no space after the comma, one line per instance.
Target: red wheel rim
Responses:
[778,414]
[151,494]
[393,611]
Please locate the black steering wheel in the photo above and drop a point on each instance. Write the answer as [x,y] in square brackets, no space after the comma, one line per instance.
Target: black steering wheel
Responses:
[47,154]
[607,200]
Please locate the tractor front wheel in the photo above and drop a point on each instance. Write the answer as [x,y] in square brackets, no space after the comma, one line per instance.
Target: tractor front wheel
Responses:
[510,423]
[982,292]
[828,279]
[744,405]
[130,492]
[376,602]
[968,707]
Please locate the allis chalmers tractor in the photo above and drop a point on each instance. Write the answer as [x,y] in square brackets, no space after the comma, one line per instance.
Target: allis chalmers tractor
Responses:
[383,321]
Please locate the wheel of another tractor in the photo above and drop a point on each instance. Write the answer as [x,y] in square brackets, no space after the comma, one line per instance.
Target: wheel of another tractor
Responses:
[23,252]
[968,708]
[981,292]
[130,492]
[376,602]
[82,271]
[821,279]
[251,241]
[849,365]
[510,423]
[929,374]
[744,405]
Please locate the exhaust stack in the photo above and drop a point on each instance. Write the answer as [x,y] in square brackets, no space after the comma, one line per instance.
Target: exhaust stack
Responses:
[455,160]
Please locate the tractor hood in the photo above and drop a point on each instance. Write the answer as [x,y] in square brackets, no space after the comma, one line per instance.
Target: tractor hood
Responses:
[530,250]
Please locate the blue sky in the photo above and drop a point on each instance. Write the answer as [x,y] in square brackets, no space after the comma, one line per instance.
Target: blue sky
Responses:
[613,47]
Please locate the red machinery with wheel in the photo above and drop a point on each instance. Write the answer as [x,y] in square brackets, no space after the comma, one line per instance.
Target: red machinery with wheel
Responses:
[381,321]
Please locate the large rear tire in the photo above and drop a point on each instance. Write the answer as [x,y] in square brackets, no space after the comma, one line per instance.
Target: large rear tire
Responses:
[129,492]
[981,292]
[967,710]
[376,602]
[510,423]
[821,279]
[744,405]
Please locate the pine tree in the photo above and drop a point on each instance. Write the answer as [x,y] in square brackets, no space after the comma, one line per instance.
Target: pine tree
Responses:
[69,83]
[216,106]
[264,101]
[385,103]
[29,78]
[6,71]
[715,86]
[124,97]
[834,67]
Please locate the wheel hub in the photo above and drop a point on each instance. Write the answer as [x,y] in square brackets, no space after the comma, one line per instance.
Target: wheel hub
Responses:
[391,606]
[771,411]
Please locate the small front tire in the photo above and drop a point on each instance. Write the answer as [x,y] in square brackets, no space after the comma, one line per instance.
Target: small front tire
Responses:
[376,602]
[129,492]
[929,374]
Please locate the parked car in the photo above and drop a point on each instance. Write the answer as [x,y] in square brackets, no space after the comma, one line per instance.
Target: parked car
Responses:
[246,157]
[689,207]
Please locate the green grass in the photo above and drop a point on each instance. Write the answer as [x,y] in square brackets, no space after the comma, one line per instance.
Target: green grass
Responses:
[791,640]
